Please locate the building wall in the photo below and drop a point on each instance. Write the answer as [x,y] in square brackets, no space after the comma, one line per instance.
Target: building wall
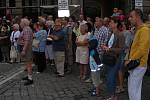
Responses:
[75,11]
[146,7]
[18,10]
[91,7]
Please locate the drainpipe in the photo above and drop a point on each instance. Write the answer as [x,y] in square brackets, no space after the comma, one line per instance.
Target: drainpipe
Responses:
[7,5]
[38,7]
[82,6]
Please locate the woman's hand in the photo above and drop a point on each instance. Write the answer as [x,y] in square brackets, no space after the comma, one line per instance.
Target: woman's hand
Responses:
[105,48]
[77,43]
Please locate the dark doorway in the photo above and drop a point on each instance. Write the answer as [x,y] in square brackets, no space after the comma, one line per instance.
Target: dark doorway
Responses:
[104,7]
[92,8]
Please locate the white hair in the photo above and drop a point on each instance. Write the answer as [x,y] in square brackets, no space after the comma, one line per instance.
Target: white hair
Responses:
[41,20]
[50,23]
[25,22]
[16,26]
[84,26]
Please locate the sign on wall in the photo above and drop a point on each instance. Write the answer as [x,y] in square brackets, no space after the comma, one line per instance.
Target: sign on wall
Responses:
[63,5]
[139,4]
[63,8]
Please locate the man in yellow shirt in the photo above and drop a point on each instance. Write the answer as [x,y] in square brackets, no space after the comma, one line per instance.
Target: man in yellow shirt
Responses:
[139,50]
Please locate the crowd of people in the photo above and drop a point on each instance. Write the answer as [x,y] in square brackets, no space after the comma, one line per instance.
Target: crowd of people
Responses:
[108,43]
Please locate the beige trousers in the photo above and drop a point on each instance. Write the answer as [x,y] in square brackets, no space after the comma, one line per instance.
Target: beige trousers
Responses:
[59,57]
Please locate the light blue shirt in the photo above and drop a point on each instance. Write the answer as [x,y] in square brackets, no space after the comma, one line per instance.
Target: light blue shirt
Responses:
[42,37]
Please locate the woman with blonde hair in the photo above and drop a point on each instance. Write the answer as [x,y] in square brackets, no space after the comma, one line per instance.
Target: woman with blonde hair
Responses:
[82,51]
[13,38]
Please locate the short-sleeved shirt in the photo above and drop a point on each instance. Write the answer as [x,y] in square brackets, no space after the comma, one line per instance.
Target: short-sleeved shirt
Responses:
[26,35]
[59,45]
[102,35]
[14,35]
[5,41]
[42,37]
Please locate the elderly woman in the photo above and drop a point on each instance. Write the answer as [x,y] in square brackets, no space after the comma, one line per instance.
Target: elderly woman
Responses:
[39,52]
[25,44]
[82,52]
[13,38]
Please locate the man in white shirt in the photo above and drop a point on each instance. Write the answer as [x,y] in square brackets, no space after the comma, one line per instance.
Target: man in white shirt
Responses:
[82,21]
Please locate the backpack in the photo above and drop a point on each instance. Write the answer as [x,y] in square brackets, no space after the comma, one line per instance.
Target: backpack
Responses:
[95,62]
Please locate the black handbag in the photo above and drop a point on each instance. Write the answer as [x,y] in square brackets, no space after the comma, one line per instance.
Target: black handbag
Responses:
[109,60]
[133,64]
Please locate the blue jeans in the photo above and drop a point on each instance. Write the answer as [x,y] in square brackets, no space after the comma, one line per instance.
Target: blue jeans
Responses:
[121,61]
[111,78]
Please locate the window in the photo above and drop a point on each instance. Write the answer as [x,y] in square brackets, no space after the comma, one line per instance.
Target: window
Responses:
[45,2]
[12,3]
[2,3]
[30,2]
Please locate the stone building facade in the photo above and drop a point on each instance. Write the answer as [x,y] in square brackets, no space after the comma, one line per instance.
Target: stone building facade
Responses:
[91,7]
[34,7]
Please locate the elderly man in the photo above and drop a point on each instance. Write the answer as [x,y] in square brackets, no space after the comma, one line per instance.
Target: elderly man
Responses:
[58,38]
[25,46]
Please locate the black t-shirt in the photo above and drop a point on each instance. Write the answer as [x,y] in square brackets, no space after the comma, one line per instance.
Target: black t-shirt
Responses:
[5,41]
[49,31]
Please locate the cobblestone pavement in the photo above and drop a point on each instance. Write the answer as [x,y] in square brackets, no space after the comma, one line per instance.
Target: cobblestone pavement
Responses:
[49,87]
[7,70]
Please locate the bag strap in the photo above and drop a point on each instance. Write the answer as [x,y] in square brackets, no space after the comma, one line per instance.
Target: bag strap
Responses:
[13,35]
[49,31]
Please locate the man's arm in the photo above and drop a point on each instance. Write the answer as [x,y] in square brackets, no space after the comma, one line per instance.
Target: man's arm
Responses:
[144,44]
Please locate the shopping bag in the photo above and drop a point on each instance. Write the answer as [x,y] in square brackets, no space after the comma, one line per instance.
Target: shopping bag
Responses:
[13,52]
[35,43]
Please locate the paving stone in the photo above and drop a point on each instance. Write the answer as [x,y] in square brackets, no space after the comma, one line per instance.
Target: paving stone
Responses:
[8,97]
[24,93]
[25,97]
[49,98]
[58,98]
[48,87]
[8,93]
[2,97]
[16,97]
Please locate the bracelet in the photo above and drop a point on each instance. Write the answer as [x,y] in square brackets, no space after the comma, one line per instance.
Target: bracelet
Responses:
[130,59]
